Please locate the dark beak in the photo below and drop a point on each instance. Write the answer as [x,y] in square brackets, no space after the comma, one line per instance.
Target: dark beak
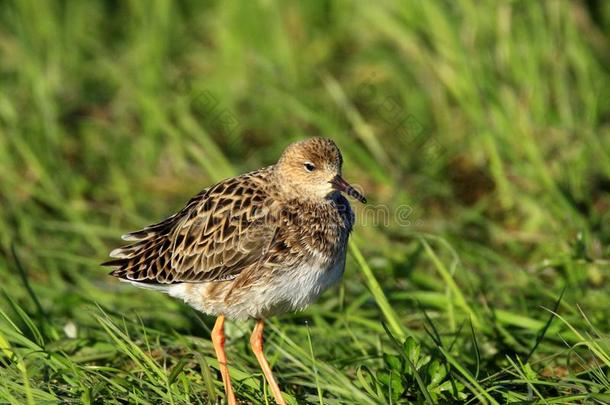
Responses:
[343,186]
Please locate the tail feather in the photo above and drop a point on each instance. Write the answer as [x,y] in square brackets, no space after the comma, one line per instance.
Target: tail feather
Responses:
[161,228]
[149,286]
[144,261]
[147,259]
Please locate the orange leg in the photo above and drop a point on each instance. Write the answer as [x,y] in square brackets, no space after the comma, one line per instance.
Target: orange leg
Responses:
[256,341]
[218,339]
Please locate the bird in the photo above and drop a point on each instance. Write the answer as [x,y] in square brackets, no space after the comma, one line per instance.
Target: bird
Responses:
[253,246]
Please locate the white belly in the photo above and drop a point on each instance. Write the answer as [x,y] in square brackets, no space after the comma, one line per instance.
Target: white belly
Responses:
[291,290]
[297,288]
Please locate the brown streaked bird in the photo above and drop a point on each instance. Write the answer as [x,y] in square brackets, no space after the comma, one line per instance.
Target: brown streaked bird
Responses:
[252,246]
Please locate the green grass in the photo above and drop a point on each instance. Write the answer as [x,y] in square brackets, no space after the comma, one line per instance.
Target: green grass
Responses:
[479,131]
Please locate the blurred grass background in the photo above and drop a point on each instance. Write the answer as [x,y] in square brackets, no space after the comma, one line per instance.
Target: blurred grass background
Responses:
[479,131]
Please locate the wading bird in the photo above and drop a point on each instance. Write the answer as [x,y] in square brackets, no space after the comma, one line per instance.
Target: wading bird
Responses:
[252,246]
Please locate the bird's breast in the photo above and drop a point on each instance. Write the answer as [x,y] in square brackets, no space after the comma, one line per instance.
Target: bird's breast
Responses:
[297,287]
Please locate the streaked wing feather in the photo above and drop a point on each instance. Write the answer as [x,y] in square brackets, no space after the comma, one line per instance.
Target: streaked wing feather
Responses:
[219,233]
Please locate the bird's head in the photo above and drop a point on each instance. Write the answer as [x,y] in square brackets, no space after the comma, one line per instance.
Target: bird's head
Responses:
[311,169]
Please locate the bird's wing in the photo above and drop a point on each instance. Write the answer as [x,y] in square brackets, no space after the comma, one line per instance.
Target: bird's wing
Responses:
[220,232]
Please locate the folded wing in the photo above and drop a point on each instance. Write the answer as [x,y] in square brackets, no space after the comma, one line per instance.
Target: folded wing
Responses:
[219,233]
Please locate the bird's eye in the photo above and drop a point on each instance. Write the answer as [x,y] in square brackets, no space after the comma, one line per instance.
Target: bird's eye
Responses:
[310,167]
